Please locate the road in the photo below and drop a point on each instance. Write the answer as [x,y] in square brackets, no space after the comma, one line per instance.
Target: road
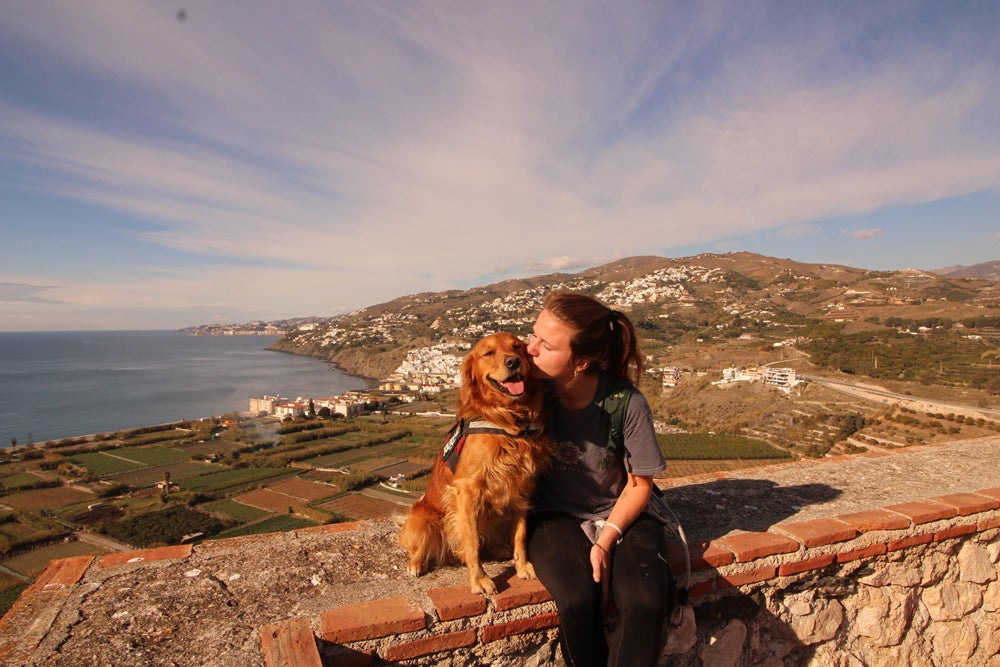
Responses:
[877,394]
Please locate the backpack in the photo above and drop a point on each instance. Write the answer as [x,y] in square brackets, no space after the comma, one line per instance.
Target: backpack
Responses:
[615,407]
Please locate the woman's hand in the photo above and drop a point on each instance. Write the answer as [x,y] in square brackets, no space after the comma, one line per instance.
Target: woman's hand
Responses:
[600,560]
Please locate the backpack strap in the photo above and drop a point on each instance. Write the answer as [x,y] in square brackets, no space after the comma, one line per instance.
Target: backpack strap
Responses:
[615,406]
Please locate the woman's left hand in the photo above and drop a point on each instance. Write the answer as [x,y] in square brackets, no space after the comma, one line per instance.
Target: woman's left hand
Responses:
[600,560]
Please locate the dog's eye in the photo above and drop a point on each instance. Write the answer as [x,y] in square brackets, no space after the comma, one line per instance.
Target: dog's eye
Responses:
[488,353]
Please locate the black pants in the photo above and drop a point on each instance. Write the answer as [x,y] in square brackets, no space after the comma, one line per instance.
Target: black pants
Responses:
[640,586]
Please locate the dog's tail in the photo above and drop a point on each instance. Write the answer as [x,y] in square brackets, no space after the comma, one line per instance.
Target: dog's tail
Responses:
[423,538]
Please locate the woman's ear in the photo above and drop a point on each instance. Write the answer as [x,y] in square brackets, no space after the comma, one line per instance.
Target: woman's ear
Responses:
[581,365]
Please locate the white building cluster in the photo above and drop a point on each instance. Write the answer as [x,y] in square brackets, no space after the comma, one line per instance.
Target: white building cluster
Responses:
[427,369]
[783,378]
[346,405]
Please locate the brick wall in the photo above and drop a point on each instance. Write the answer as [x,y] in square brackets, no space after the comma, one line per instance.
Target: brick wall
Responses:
[910,583]
[915,583]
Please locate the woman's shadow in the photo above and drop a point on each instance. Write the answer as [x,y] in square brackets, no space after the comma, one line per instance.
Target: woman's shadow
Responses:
[713,510]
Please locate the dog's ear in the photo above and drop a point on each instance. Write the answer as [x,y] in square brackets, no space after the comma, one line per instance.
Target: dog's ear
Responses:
[468,378]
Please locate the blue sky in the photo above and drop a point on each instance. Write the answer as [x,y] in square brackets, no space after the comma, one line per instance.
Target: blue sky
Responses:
[166,164]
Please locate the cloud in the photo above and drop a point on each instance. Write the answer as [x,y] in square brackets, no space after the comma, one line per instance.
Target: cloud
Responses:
[866,233]
[25,293]
[354,152]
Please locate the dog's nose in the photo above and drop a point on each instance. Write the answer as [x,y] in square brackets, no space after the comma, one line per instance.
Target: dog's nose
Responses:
[512,363]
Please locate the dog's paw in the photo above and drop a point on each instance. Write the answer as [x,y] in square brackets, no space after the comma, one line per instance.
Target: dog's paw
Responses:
[483,586]
[414,569]
[525,571]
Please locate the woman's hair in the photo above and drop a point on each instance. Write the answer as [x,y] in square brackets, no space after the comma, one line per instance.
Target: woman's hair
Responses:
[605,336]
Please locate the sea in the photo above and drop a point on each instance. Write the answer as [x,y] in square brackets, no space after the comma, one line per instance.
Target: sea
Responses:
[57,385]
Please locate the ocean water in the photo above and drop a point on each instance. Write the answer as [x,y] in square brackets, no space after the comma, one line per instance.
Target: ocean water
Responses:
[56,385]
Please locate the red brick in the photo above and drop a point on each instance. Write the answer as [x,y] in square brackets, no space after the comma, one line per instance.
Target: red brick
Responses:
[955,531]
[290,643]
[456,602]
[863,552]
[796,567]
[60,573]
[332,528]
[503,630]
[749,577]
[702,587]
[704,556]
[520,592]
[924,511]
[368,620]
[969,503]
[817,532]
[146,555]
[865,522]
[911,541]
[992,493]
[988,523]
[751,546]
[428,645]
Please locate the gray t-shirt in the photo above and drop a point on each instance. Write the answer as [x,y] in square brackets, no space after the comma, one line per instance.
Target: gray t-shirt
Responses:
[575,483]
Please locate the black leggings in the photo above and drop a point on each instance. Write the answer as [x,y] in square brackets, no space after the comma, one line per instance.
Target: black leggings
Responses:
[560,553]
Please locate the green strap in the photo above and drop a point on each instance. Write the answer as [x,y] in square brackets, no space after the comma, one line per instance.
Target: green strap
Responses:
[615,406]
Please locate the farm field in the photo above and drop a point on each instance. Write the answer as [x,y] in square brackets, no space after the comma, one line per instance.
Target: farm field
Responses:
[303,489]
[358,506]
[276,524]
[234,510]
[178,473]
[32,563]
[39,499]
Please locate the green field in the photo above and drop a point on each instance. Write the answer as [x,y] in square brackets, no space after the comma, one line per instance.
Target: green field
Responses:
[32,563]
[153,456]
[234,510]
[101,463]
[709,446]
[228,479]
[144,477]
[277,524]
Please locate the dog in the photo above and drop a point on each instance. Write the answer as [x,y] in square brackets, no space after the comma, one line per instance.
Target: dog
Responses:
[483,501]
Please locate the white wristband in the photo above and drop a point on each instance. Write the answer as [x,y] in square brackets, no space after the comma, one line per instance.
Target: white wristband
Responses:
[618,530]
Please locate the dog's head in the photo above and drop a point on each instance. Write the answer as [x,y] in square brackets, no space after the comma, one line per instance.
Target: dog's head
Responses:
[495,381]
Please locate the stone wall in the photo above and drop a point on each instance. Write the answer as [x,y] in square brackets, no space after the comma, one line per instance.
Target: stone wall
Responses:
[911,584]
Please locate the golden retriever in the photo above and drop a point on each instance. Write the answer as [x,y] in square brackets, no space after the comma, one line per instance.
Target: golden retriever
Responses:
[484,501]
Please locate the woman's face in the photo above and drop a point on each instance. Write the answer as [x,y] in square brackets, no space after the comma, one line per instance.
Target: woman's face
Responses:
[549,347]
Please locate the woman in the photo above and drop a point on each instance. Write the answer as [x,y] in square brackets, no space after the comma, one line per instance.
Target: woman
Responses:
[587,534]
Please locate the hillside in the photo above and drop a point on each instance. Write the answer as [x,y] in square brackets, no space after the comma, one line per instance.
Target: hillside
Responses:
[984,270]
[707,297]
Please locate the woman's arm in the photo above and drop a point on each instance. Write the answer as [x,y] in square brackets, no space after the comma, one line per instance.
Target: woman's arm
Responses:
[631,501]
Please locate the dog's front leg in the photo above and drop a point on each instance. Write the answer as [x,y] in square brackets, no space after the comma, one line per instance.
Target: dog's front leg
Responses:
[523,567]
[469,506]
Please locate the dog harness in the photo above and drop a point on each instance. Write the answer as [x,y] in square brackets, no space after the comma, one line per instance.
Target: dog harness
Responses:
[455,439]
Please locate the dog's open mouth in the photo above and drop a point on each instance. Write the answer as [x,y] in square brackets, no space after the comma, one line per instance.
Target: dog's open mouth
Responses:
[512,386]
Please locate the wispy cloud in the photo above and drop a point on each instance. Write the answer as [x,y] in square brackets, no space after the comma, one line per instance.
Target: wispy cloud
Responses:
[26,293]
[424,145]
[861,234]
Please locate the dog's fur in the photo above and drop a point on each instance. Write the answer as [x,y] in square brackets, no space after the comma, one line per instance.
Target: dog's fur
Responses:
[485,501]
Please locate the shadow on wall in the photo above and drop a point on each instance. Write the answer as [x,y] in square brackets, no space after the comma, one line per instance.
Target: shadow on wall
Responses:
[723,631]
[714,509]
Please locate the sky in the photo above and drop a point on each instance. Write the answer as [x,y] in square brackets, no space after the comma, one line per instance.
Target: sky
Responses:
[169,164]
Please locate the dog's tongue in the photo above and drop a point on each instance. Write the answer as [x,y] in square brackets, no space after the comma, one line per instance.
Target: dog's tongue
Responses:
[514,388]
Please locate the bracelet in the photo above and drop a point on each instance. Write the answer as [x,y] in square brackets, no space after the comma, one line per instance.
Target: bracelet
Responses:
[618,530]
[602,548]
